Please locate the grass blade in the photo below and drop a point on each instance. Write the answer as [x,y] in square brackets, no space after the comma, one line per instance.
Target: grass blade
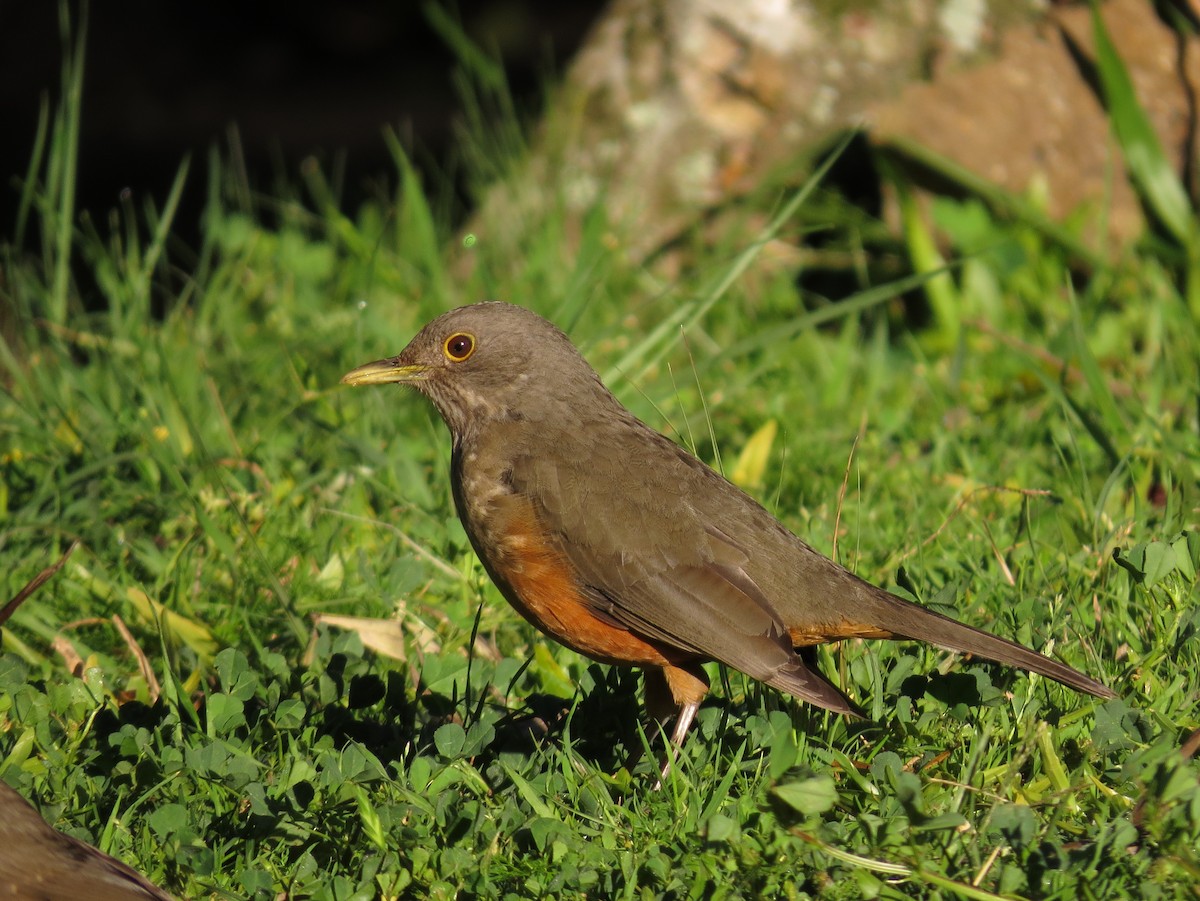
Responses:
[1151,171]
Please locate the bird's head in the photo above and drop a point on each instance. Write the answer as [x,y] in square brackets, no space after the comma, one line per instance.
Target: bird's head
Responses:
[489,361]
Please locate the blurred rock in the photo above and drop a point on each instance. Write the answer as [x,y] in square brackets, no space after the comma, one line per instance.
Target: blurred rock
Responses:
[1033,113]
[674,107]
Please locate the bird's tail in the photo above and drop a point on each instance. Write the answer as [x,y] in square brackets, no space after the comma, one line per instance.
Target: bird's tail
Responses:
[908,620]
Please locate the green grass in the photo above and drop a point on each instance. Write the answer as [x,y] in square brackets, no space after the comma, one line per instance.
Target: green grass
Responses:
[1032,467]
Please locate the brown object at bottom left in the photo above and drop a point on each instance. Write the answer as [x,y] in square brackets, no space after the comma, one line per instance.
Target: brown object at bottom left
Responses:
[38,863]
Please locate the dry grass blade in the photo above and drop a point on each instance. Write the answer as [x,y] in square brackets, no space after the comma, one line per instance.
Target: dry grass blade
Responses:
[35,583]
[139,655]
[421,551]
[384,636]
[837,520]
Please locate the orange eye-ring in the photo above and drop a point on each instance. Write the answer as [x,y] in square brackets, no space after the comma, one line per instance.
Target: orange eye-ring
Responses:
[459,346]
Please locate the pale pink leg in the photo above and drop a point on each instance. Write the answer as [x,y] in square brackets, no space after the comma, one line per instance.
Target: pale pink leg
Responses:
[683,722]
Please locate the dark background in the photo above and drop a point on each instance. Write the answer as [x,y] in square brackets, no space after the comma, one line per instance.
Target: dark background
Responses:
[163,80]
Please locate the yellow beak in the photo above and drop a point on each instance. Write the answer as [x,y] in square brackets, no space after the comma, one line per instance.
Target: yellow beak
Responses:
[384,372]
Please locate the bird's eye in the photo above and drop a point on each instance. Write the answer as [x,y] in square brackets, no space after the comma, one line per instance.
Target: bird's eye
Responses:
[459,346]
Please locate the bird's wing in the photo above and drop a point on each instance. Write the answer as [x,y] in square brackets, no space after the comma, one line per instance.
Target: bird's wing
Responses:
[657,567]
[675,552]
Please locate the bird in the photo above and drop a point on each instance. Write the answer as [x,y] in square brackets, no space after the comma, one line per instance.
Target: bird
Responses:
[618,543]
[38,863]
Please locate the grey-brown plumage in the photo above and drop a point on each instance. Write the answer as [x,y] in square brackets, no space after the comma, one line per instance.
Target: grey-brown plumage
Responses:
[620,544]
[38,863]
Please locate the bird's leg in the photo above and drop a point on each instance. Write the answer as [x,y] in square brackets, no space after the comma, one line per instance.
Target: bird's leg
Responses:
[684,690]
[683,721]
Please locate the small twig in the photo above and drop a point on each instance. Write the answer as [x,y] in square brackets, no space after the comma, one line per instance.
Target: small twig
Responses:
[987,866]
[1004,567]
[1119,389]
[1191,745]
[144,667]
[35,583]
[712,435]
[837,517]
[964,501]
[70,657]
[412,545]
